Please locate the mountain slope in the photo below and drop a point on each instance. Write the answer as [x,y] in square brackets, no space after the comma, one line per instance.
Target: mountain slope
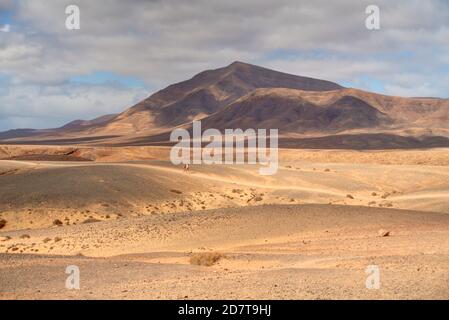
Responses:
[286,110]
[206,93]
[245,96]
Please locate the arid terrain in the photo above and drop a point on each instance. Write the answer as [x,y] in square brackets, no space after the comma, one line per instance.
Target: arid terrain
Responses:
[310,231]
[363,180]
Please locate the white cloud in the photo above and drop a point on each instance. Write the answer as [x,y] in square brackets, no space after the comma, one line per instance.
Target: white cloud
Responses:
[163,42]
[5,28]
[33,106]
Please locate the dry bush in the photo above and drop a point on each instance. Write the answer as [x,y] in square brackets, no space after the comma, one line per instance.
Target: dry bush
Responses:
[2,223]
[206,258]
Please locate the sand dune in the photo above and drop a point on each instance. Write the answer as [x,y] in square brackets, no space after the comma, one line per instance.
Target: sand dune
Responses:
[35,194]
[272,251]
[307,232]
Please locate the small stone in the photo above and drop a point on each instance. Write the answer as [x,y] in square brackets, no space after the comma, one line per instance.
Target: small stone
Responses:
[383,233]
[6,238]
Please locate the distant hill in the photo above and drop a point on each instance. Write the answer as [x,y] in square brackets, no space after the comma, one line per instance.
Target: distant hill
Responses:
[242,95]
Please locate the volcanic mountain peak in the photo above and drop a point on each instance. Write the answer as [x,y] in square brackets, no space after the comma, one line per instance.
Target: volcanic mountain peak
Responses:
[236,79]
[243,95]
[209,91]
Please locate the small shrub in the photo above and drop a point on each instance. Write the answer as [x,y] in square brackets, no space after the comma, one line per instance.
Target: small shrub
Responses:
[206,258]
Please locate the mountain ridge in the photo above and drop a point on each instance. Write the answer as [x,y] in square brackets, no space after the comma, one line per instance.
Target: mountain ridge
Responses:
[243,95]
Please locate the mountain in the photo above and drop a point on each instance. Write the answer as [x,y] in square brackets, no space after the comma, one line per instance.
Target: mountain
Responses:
[82,124]
[245,96]
[206,93]
[73,126]
[286,109]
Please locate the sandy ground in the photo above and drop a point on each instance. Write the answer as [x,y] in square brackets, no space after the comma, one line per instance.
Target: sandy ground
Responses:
[310,231]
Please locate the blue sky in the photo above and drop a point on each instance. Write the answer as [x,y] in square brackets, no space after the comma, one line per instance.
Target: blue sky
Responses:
[50,75]
[108,78]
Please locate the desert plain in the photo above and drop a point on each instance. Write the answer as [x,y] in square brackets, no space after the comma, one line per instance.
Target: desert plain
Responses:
[139,227]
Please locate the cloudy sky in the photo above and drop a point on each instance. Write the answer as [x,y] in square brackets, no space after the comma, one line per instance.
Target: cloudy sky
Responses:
[126,50]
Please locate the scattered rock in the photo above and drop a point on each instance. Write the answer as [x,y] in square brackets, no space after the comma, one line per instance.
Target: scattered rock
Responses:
[91,220]
[57,222]
[385,195]
[374,194]
[349,196]
[2,223]
[383,233]
[385,204]
[6,238]
[57,239]
[46,240]
[25,236]
[176,191]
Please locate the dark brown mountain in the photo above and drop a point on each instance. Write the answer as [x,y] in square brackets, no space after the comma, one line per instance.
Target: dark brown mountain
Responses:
[206,93]
[288,111]
[247,96]
[73,126]
[82,124]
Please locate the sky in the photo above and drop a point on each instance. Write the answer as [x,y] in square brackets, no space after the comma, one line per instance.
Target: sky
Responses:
[126,50]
